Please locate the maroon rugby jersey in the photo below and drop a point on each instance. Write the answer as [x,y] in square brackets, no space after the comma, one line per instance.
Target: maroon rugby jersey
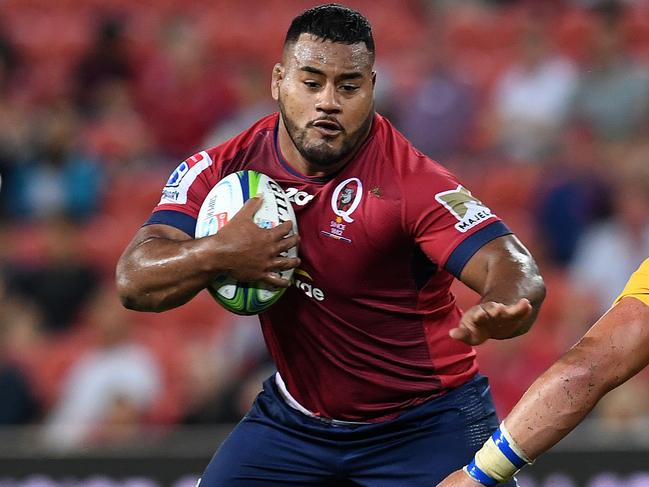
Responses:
[363,332]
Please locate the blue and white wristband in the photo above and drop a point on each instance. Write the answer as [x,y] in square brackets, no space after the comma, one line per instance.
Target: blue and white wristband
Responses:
[478,475]
[498,460]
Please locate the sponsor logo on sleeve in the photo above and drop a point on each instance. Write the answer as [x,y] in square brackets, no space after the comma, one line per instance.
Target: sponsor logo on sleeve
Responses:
[469,210]
[181,179]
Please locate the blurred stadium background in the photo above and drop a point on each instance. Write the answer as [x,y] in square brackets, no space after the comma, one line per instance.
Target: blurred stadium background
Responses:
[541,107]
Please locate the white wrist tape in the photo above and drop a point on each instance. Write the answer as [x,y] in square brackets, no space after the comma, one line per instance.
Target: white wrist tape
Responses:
[500,457]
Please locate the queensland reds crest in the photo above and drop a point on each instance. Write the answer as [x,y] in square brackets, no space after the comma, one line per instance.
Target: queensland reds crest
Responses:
[346,198]
[344,201]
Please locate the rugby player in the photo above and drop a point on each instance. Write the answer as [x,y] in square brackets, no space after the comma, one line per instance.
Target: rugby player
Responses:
[371,387]
[610,353]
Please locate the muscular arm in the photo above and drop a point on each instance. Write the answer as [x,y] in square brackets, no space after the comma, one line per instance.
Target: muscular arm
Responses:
[610,353]
[163,267]
[511,288]
[614,350]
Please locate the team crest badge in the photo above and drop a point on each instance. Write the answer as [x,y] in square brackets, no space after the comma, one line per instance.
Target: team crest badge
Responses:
[344,201]
[346,198]
[469,210]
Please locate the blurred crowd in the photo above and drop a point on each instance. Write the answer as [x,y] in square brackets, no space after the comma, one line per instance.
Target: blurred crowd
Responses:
[540,107]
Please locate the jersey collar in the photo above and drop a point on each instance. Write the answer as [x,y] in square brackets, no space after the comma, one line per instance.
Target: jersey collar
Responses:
[317,180]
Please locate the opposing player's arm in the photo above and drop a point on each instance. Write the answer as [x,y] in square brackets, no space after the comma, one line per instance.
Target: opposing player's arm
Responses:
[511,288]
[611,352]
[163,267]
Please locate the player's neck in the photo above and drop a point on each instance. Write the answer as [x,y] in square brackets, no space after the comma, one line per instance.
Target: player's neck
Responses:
[294,159]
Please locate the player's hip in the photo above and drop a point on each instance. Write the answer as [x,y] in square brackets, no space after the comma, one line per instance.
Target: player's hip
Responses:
[458,410]
[278,445]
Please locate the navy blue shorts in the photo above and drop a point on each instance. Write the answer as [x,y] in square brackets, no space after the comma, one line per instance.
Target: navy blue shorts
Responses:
[276,445]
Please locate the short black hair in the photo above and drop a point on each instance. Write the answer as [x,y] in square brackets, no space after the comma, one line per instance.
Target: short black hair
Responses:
[332,22]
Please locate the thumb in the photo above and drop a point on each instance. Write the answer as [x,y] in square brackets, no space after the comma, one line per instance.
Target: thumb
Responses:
[250,207]
[461,333]
[469,332]
[521,308]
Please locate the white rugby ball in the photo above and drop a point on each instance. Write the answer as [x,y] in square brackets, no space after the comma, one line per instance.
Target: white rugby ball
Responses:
[221,204]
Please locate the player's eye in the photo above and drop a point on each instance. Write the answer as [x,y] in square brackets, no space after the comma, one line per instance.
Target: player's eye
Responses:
[349,88]
[312,84]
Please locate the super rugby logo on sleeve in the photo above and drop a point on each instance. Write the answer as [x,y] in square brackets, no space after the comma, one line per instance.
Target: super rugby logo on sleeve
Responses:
[469,210]
[178,184]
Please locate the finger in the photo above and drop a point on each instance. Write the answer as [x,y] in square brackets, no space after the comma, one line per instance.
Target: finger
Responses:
[467,327]
[473,328]
[523,307]
[498,310]
[492,309]
[284,264]
[282,229]
[461,334]
[273,279]
[468,336]
[477,316]
[250,207]
[287,243]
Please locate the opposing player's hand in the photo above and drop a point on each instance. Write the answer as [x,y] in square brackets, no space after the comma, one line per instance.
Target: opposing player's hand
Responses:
[250,253]
[459,478]
[491,320]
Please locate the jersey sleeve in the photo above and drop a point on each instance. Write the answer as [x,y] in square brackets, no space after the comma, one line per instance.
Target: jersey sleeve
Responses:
[638,285]
[184,193]
[448,223]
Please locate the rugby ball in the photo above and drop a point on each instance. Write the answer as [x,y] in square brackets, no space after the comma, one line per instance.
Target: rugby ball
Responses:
[221,204]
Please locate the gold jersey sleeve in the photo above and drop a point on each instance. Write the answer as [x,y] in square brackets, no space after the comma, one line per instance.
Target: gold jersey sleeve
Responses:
[638,285]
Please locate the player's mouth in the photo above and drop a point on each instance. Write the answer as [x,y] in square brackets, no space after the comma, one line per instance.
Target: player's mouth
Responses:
[327,127]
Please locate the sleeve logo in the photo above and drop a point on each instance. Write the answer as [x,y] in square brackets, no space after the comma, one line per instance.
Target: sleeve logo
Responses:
[178,184]
[177,175]
[469,210]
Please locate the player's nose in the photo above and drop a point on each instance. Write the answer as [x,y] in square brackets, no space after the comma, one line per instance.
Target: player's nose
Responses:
[328,101]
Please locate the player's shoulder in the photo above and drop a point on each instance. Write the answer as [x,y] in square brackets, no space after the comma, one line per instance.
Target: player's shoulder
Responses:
[641,275]
[638,284]
[197,174]
[260,132]
[408,162]
[644,268]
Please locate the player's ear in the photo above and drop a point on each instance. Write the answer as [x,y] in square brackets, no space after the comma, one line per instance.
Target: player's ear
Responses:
[278,75]
[373,79]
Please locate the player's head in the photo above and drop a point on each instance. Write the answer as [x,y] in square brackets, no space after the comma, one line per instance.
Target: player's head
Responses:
[325,83]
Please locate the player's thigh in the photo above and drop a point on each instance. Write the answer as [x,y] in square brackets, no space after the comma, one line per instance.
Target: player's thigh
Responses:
[431,445]
[422,459]
[257,454]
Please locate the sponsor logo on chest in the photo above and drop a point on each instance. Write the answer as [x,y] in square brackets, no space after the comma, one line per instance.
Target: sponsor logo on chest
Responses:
[304,282]
[298,198]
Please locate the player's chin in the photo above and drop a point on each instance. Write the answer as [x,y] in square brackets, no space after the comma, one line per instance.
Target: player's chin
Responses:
[324,154]
[334,146]
[325,147]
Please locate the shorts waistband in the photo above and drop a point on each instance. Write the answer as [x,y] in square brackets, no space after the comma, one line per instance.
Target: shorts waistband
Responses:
[292,402]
